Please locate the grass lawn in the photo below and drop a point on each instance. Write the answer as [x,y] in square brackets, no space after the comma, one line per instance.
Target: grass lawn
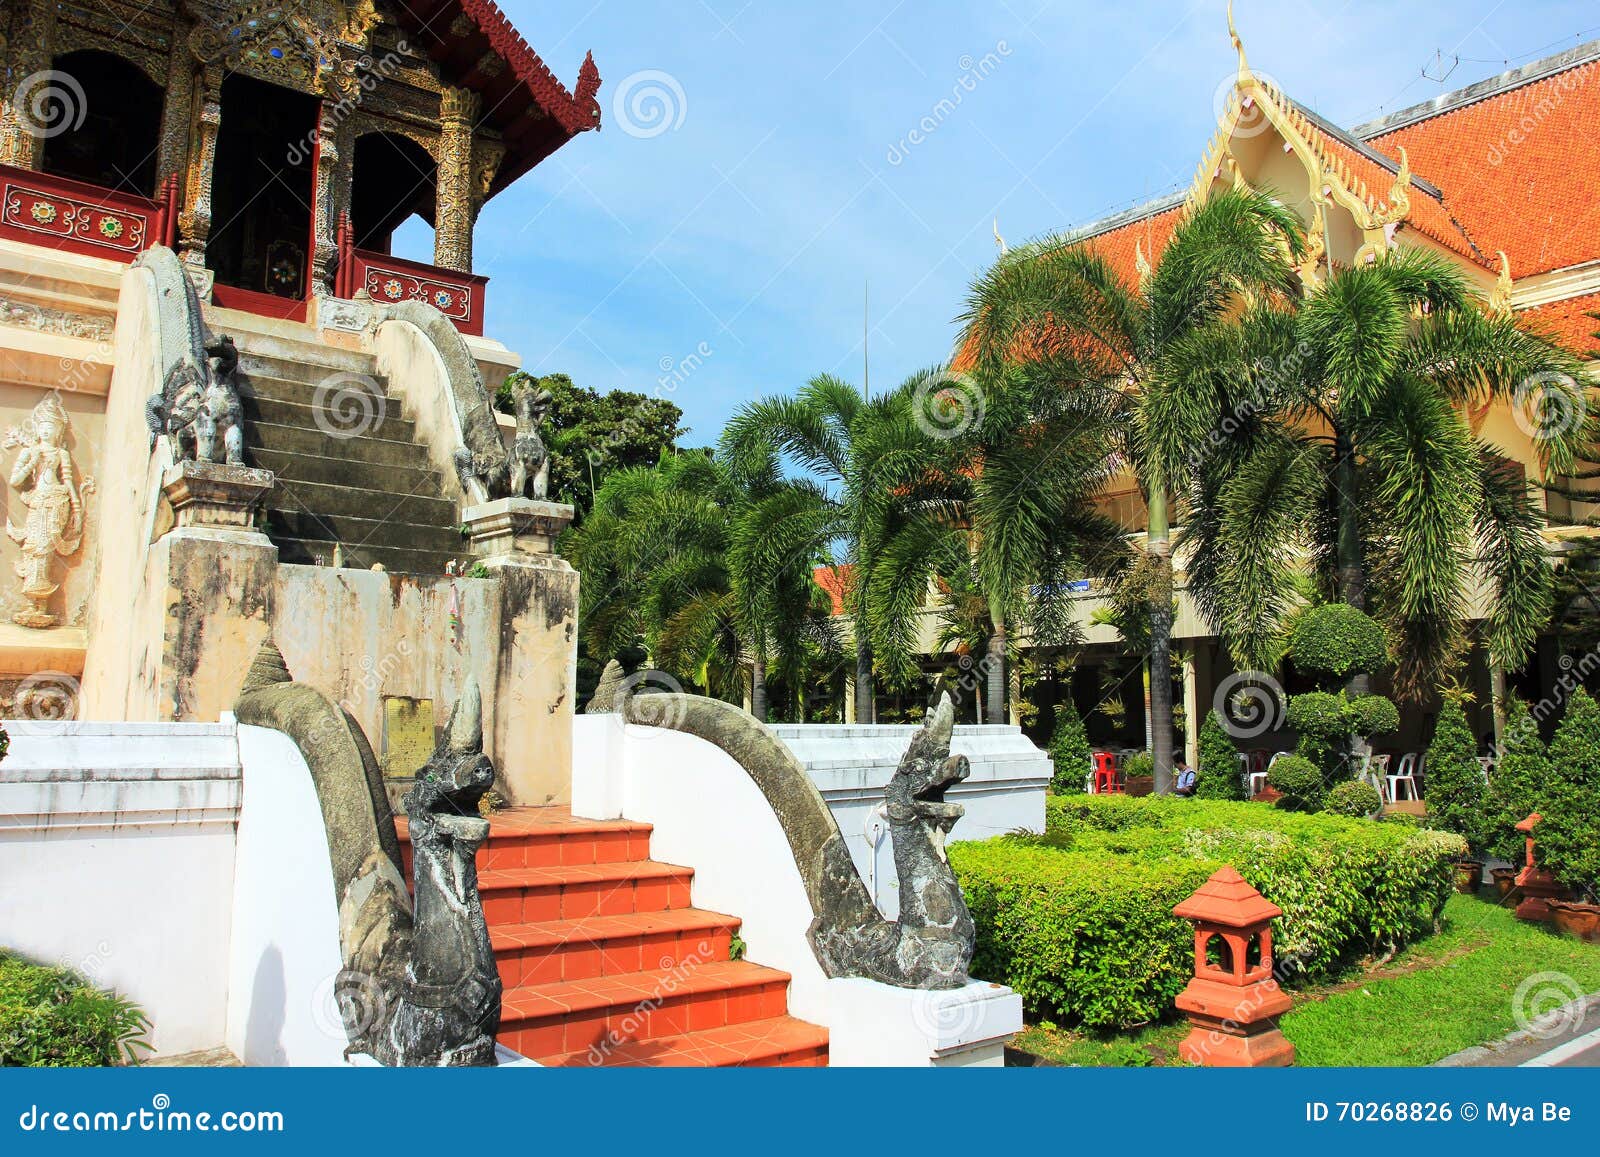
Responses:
[1446,993]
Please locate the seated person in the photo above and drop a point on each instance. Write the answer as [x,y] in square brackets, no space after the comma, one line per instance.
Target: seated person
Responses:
[1183,780]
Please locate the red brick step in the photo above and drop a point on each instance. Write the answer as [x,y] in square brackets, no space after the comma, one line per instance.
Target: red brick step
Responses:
[605,962]
[573,1016]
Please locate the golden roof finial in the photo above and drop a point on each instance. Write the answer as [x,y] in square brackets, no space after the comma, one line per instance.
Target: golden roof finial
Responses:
[1141,264]
[1238,45]
[1500,295]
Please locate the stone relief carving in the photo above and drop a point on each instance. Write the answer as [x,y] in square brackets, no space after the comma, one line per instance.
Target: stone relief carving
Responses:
[48,319]
[48,485]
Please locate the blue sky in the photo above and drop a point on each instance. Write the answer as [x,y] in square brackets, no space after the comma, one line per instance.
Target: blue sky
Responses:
[745,225]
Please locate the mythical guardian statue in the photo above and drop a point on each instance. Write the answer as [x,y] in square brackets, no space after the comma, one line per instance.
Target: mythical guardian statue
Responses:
[198,407]
[930,945]
[530,461]
[419,985]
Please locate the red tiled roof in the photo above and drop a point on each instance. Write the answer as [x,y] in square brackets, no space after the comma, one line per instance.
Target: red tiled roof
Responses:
[1569,322]
[532,109]
[1518,167]
[835,580]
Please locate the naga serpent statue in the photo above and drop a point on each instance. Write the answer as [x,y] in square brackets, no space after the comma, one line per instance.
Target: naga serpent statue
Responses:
[419,985]
[930,945]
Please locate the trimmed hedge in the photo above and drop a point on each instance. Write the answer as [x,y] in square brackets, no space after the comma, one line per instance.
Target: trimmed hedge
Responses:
[1079,921]
[51,1017]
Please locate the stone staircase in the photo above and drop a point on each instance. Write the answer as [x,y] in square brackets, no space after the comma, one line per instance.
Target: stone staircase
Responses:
[350,469]
[605,961]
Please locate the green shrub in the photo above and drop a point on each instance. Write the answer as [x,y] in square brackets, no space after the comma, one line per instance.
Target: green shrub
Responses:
[1069,750]
[1371,715]
[1218,776]
[1299,781]
[1335,642]
[50,1017]
[1521,778]
[1319,715]
[1353,797]
[1079,921]
[1568,834]
[1454,777]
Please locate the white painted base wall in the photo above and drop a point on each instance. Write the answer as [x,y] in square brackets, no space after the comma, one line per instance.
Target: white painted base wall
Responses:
[284,954]
[116,860]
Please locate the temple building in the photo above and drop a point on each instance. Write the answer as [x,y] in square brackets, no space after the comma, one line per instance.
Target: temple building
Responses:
[229,406]
[1494,177]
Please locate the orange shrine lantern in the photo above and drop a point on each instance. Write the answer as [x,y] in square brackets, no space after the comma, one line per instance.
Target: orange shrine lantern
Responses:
[1233,1002]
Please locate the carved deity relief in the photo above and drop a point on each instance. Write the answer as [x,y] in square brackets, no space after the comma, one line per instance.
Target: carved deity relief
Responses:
[45,480]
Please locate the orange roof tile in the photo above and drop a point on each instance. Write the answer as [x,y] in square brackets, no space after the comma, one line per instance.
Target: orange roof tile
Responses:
[1516,164]
[1569,322]
[835,581]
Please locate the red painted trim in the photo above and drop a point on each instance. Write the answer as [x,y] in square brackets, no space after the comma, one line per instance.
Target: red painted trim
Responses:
[60,213]
[459,296]
[261,304]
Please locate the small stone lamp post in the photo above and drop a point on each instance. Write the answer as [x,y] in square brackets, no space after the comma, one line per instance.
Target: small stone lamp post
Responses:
[1538,886]
[1233,1001]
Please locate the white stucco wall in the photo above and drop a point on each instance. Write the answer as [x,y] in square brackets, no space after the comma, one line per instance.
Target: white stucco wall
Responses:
[116,860]
[284,952]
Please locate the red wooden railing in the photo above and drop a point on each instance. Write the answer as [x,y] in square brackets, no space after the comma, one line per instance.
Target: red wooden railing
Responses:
[459,296]
[41,209]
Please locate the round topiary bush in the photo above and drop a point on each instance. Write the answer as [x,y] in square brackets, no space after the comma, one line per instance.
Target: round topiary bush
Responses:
[1353,797]
[1218,774]
[1320,715]
[1568,834]
[1454,777]
[1299,781]
[1336,641]
[1069,750]
[1370,715]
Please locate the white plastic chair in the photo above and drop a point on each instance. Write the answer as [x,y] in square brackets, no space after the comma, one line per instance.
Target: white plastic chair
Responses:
[1405,774]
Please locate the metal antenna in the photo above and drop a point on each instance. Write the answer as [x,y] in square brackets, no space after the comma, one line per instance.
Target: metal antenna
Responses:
[866,333]
[1439,67]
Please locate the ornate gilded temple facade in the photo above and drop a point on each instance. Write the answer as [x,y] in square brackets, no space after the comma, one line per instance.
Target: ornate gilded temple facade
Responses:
[198,207]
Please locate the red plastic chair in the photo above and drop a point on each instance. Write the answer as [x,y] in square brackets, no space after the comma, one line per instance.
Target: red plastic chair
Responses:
[1105,773]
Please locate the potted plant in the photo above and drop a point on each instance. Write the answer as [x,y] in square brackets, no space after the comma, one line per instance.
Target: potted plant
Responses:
[1456,788]
[1516,790]
[1569,828]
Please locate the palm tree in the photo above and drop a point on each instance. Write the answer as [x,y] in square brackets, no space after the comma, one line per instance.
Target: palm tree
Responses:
[654,558]
[1057,305]
[1335,426]
[861,486]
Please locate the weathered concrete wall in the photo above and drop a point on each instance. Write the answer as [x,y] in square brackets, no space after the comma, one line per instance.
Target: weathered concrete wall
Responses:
[366,636]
